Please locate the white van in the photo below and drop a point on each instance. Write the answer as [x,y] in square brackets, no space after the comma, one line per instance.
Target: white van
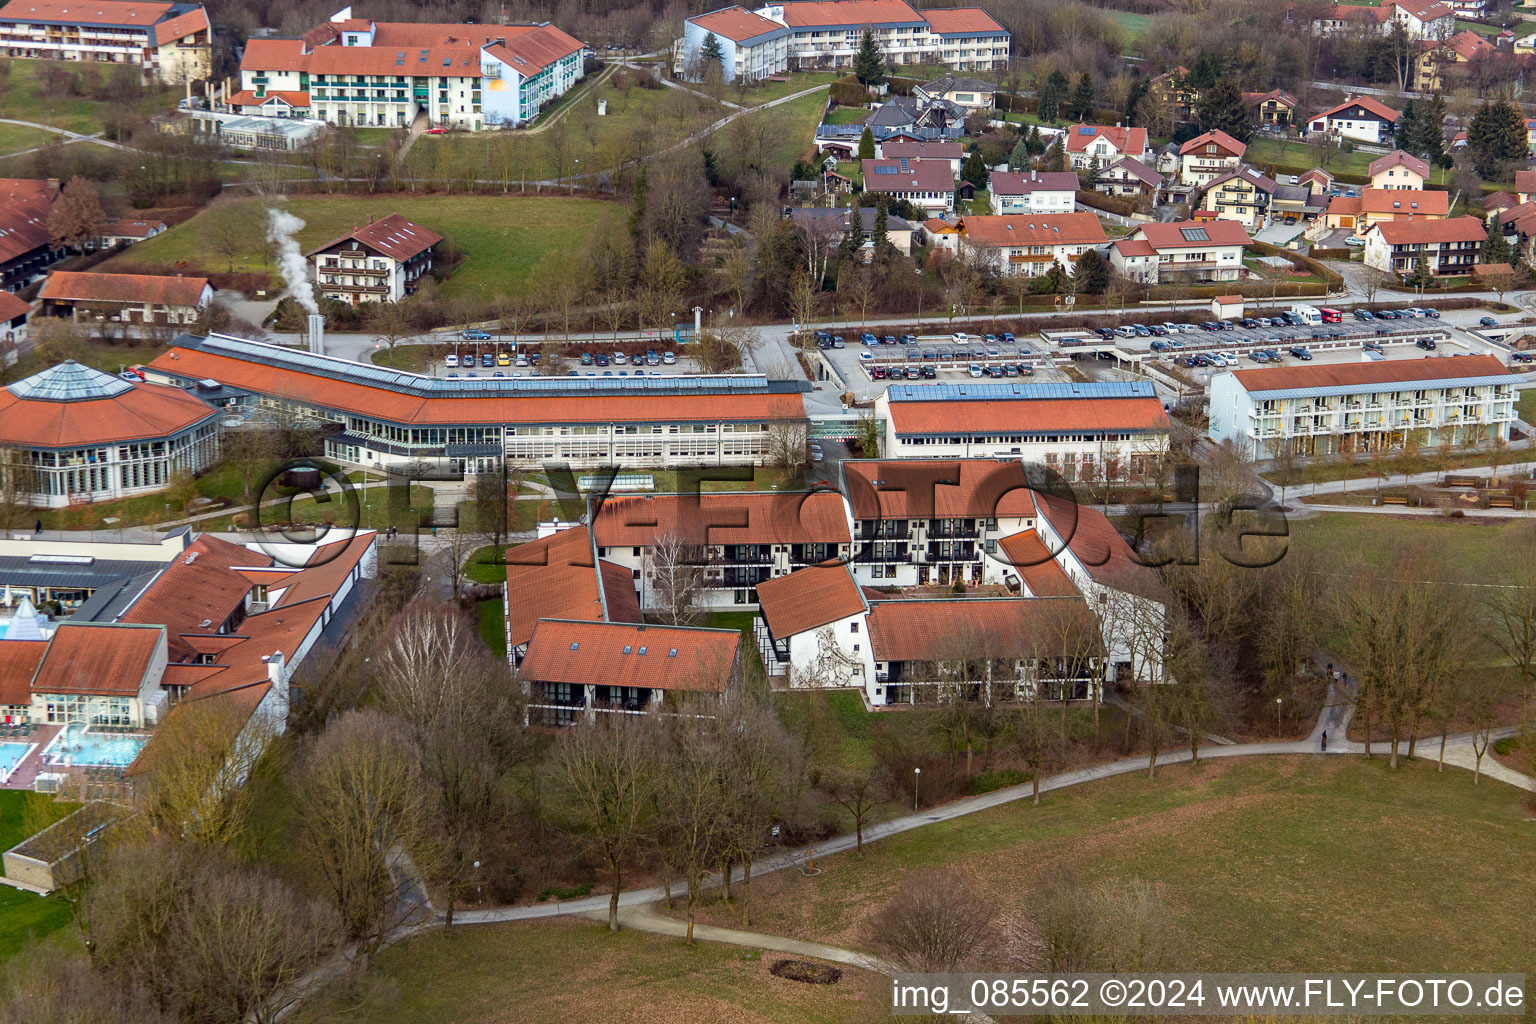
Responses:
[1308,314]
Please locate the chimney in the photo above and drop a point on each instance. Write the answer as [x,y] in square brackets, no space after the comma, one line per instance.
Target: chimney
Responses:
[370,218]
[274,663]
[317,333]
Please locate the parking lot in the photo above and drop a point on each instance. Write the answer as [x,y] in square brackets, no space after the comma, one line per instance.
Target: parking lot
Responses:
[503,359]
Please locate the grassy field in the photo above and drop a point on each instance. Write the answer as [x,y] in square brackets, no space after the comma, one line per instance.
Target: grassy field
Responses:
[489,620]
[25,916]
[508,242]
[504,973]
[764,92]
[1284,153]
[15,137]
[1134,25]
[1475,547]
[374,507]
[143,509]
[1260,863]
[847,115]
[1526,405]
[24,99]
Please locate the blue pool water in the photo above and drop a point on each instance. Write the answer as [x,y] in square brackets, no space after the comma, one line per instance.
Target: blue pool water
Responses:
[94,748]
[10,755]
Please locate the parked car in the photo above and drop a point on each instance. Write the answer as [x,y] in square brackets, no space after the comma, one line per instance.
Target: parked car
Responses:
[878,373]
[1487,321]
[437,131]
[1158,330]
[1227,358]
[991,339]
[486,359]
[450,360]
[888,339]
[1175,343]
[1265,321]
[1159,346]
[929,373]
[994,371]
[475,335]
[1427,344]
[652,359]
[1364,314]
[1354,241]
[586,359]
[534,357]
[1125,331]
[1171,327]
[837,342]
[975,369]
[1226,325]
[1249,322]
[961,336]
[1373,346]
[671,357]
[992,352]
[909,339]
[1301,353]
[1142,330]
[1521,357]
[1105,333]
[816,453]
[1258,357]
[601,358]
[868,339]
[1008,337]
[1432,312]
[866,354]
[620,359]
[1026,369]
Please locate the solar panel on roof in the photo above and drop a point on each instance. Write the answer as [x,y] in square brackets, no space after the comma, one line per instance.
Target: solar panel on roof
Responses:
[1195,234]
[1009,392]
[1087,129]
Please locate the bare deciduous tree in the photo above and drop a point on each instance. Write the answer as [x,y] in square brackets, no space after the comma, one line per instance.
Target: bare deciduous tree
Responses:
[858,793]
[937,922]
[677,570]
[1513,629]
[691,799]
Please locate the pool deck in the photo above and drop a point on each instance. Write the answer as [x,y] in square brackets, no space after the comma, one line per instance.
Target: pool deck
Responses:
[27,771]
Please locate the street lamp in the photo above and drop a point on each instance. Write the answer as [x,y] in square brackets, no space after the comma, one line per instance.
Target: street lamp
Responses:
[917,774]
[477,883]
[1278,702]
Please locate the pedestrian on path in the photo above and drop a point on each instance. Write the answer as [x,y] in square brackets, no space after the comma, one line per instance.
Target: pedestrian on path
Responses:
[1325,741]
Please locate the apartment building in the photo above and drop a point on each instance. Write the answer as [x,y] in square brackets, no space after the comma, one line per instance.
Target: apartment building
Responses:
[1098,145]
[471,424]
[1243,195]
[751,46]
[827,33]
[1448,246]
[903,148]
[1207,157]
[1378,205]
[1084,432]
[359,72]
[1030,244]
[1182,252]
[171,42]
[379,262]
[1127,177]
[1033,191]
[1420,19]
[1363,407]
[1276,107]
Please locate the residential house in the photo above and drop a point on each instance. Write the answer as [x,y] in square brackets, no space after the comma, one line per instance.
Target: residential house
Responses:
[1127,177]
[827,33]
[1318,181]
[1375,205]
[926,184]
[1134,259]
[1173,88]
[1525,186]
[1243,195]
[1297,202]
[1097,145]
[968,93]
[355,71]
[1207,157]
[122,231]
[1443,64]
[833,224]
[129,298]
[1450,247]
[751,46]
[1518,226]
[171,42]
[943,234]
[1397,171]
[1033,191]
[1328,408]
[379,262]
[85,435]
[901,148]
[1276,108]
[1361,118]
[1119,427]
[14,312]
[1030,244]
[1185,252]
[1420,19]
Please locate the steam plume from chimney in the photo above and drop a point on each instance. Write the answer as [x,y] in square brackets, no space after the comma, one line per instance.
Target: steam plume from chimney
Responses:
[282,229]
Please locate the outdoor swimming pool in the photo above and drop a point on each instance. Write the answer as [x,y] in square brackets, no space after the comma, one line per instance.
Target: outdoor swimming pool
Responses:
[75,745]
[10,756]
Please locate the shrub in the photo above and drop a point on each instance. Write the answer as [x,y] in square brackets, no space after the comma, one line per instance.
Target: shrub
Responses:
[1506,746]
[986,782]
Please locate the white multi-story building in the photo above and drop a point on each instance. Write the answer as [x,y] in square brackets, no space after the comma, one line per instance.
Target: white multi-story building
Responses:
[1363,407]
[380,262]
[1030,244]
[1082,431]
[1033,191]
[172,42]
[1182,252]
[827,33]
[358,72]
[751,46]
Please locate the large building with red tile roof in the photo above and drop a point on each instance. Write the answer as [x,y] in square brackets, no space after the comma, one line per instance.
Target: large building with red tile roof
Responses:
[380,261]
[1030,244]
[392,417]
[1083,430]
[26,244]
[1182,252]
[127,298]
[78,434]
[1445,245]
[171,42]
[1364,407]
[827,34]
[354,71]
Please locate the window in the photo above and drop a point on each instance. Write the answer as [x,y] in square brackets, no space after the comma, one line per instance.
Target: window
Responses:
[853,627]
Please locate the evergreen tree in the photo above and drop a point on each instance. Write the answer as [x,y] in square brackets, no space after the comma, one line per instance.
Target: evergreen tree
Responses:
[884,250]
[1019,158]
[853,241]
[974,170]
[1203,75]
[1052,93]
[1091,273]
[1082,97]
[711,55]
[1421,278]
[1432,115]
[637,207]
[866,144]
[1036,144]
[1496,137]
[1132,109]
[1221,109]
[868,64]
[1495,248]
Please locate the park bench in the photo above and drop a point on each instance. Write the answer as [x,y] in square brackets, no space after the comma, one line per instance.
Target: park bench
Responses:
[1394,499]
[1463,481]
[1501,502]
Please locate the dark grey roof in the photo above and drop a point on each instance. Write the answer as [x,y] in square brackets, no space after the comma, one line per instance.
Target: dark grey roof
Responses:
[112,599]
[897,112]
[20,571]
[943,85]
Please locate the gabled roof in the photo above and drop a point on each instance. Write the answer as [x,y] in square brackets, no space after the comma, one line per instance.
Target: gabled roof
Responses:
[1218,137]
[620,654]
[12,306]
[1424,10]
[1132,247]
[953,83]
[849,13]
[1525,182]
[1248,175]
[1126,140]
[274,55]
[1013,229]
[98,658]
[895,149]
[552,577]
[1398,158]
[941,630]
[179,26]
[18,664]
[24,222]
[1097,546]
[808,598]
[71,286]
[115,13]
[1019,183]
[1187,234]
[248,98]
[955,21]
[907,175]
[1036,565]
[1253,99]
[1028,415]
[394,236]
[736,24]
[197,593]
[532,52]
[119,227]
[1404,202]
[1136,169]
[722,517]
[1407,372]
[1468,45]
[937,488]
[1419,231]
[1371,106]
[1317,174]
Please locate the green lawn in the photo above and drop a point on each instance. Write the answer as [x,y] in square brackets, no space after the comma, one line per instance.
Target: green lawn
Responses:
[377,507]
[1476,548]
[491,623]
[1526,406]
[15,137]
[764,92]
[222,481]
[792,126]
[846,115]
[508,242]
[23,99]
[1134,25]
[501,974]
[25,916]
[1261,863]
[1292,154]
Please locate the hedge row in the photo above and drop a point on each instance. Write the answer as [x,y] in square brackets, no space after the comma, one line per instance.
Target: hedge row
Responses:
[1109,204]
